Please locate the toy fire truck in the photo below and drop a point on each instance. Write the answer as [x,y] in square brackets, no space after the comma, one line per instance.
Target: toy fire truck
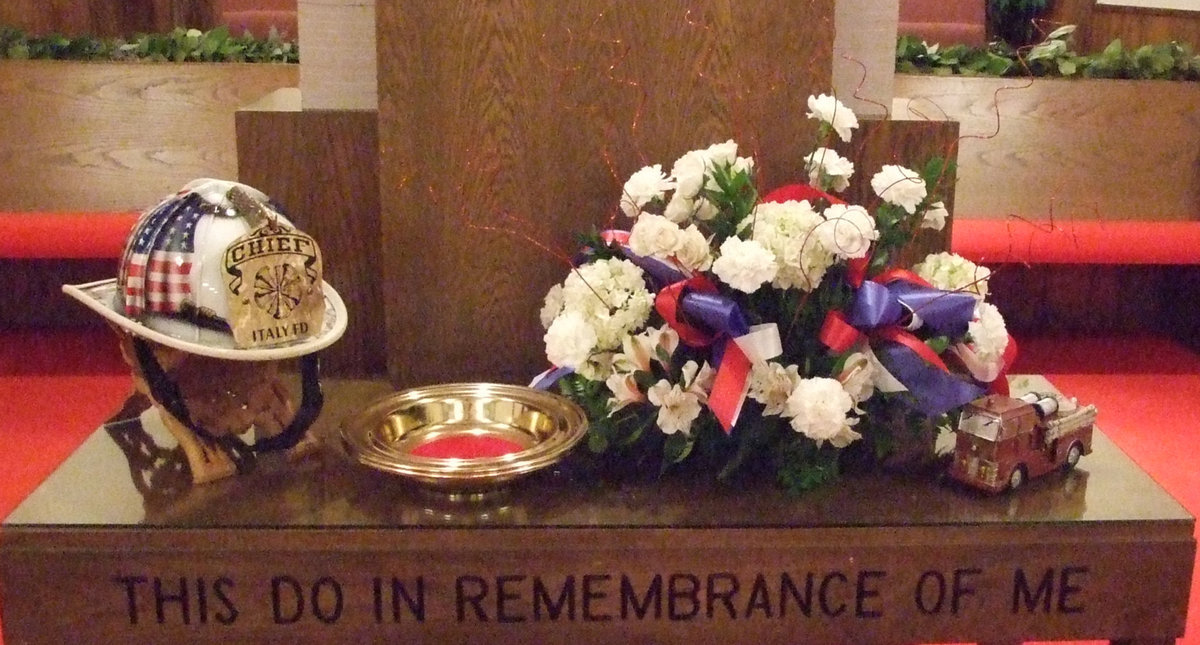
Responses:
[1003,441]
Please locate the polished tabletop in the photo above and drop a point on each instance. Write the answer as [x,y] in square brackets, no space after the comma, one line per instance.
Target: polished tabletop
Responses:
[127,475]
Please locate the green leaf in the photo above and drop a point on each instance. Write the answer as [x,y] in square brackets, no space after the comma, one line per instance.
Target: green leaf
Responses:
[1061,33]
[676,448]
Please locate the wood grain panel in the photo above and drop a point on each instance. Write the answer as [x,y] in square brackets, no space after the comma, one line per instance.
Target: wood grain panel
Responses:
[109,136]
[539,110]
[1136,27]
[103,17]
[1068,149]
[911,144]
[322,166]
[1099,24]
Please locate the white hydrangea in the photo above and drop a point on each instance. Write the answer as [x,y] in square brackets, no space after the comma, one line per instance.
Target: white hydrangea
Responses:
[952,272]
[771,384]
[899,186]
[829,110]
[612,297]
[745,265]
[829,170]
[819,409]
[570,340]
[935,216]
[787,229]
[644,186]
[848,231]
[552,305]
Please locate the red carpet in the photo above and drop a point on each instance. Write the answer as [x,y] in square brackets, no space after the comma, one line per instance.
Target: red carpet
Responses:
[58,387]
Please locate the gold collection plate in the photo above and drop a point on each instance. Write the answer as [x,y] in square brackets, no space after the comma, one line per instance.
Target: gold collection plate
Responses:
[465,438]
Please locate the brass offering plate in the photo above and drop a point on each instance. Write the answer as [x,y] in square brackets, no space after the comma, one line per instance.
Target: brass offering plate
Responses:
[465,437]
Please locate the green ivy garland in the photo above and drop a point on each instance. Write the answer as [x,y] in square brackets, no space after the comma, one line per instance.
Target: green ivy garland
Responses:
[1053,57]
[179,45]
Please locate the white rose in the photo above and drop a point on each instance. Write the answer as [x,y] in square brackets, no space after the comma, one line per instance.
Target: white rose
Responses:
[655,236]
[829,110]
[899,186]
[818,408]
[569,340]
[935,216]
[848,231]
[745,265]
[644,186]
[827,165]
[680,208]
[689,172]
[693,253]
[677,408]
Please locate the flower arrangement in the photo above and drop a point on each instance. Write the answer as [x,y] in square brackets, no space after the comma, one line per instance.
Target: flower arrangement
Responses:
[740,331]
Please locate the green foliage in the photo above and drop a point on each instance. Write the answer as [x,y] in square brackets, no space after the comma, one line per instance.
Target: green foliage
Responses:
[1053,57]
[180,45]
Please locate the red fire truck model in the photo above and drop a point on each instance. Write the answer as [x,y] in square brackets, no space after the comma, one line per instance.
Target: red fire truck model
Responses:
[1003,441]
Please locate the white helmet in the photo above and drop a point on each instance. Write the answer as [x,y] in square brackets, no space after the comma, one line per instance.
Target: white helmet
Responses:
[217,270]
[184,279]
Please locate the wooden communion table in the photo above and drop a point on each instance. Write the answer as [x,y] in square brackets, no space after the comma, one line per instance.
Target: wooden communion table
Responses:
[116,546]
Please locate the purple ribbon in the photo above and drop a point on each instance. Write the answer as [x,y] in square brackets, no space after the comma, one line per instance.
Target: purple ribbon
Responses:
[934,390]
[878,305]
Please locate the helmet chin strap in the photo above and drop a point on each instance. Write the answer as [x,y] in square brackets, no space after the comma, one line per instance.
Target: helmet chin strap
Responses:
[166,392]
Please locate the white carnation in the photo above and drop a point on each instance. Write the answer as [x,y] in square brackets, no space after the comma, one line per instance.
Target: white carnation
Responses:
[569,340]
[989,334]
[819,409]
[935,216]
[745,265]
[829,110]
[899,186]
[848,231]
[644,186]
[826,166]
[952,272]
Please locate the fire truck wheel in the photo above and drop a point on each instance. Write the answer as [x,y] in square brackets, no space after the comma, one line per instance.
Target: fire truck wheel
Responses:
[1073,455]
[1016,478]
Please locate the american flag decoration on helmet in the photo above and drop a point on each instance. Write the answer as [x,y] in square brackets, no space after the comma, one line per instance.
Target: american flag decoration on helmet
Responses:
[157,263]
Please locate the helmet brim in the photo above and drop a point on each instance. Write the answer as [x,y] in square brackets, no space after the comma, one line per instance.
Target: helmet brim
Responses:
[103,297]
